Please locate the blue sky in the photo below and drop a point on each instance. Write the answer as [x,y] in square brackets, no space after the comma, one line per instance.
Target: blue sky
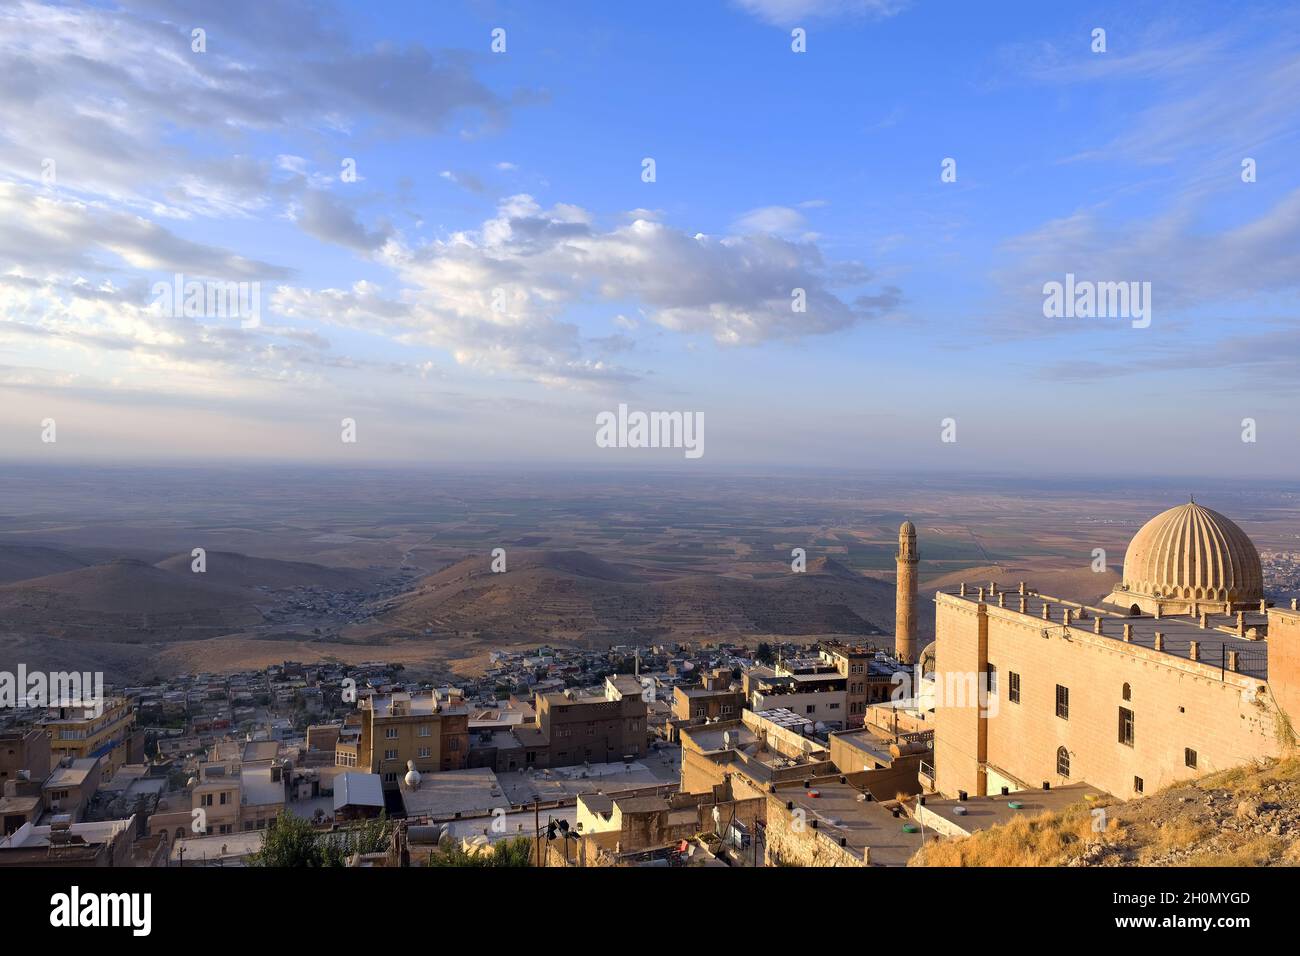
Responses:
[519,173]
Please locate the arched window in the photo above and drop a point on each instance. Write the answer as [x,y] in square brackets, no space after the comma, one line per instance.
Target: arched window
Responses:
[1134,611]
[1128,692]
[1062,761]
[180,833]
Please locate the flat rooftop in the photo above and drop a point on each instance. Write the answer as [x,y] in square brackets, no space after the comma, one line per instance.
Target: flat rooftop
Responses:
[73,776]
[866,825]
[984,812]
[1179,630]
[28,836]
[866,741]
[450,792]
[416,705]
[662,768]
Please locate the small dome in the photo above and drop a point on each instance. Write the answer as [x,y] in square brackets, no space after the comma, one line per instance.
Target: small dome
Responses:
[1190,553]
[907,528]
[412,775]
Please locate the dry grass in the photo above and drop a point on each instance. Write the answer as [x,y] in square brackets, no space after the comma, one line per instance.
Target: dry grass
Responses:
[1048,839]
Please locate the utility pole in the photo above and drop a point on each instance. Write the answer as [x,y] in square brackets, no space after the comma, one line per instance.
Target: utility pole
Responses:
[537,825]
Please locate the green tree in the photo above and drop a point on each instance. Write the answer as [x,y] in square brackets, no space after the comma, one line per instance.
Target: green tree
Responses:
[293,842]
[516,851]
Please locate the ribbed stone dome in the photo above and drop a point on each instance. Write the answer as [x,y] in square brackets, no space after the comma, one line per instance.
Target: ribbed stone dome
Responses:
[1190,553]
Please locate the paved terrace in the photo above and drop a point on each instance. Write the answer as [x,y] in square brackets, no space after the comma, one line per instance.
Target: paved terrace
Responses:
[1214,640]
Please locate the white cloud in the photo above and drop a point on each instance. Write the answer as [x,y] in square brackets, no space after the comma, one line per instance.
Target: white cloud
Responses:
[787,12]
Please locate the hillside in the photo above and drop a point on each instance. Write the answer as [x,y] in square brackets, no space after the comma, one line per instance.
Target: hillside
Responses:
[571,595]
[21,561]
[231,569]
[1246,816]
[124,599]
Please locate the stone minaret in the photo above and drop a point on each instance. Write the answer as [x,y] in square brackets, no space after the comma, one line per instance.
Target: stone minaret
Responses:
[905,608]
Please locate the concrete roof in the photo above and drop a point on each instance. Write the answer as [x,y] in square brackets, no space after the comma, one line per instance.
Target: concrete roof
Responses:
[28,835]
[1179,630]
[865,824]
[73,776]
[445,794]
[984,812]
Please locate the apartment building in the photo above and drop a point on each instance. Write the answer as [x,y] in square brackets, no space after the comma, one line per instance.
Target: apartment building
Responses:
[75,732]
[427,728]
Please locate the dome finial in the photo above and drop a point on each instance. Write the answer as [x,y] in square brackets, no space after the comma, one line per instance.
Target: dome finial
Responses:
[1191,498]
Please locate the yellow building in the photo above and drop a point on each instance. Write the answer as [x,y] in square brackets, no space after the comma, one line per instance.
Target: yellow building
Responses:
[75,733]
[428,729]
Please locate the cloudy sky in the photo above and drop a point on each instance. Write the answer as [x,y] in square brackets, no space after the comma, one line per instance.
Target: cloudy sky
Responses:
[499,270]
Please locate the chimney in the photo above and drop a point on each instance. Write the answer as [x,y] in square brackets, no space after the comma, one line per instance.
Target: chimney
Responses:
[1241,623]
[1263,605]
[981,595]
[1160,641]
[1096,624]
[1067,616]
[1233,661]
[1156,612]
[1022,587]
[962,590]
[1205,620]
[1128,633]
[1024,604]
[1002,599]
[1196,650]
[1047,611]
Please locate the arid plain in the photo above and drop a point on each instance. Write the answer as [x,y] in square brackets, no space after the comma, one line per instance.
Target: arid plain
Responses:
[97,564]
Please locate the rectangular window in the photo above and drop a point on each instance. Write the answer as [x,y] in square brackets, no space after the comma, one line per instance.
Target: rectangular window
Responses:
[1137,784]
[422,752]
[1189,757]
[1013,687]
[1062,702]
[391,733]
[993,679]
[390,754]
[1126,727]
[424,730]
